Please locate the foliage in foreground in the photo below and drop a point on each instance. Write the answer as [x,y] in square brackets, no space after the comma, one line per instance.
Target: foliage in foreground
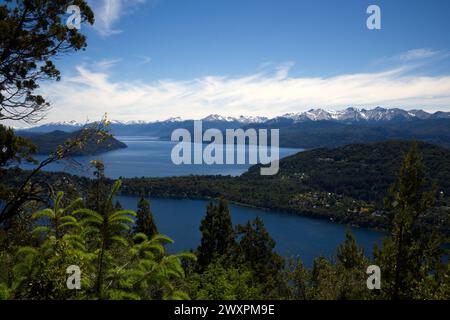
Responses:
[118,261]
[412,258]
[114,263]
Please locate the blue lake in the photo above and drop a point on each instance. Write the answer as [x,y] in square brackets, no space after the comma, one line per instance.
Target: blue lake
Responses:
[295,236]
[147,157]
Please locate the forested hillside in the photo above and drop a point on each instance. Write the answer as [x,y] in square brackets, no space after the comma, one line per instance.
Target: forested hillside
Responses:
[47,143]
[347,184]
[330,134]
[360,171]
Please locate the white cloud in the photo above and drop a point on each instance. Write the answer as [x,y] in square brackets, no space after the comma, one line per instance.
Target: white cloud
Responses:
[283,70]
[92,93]
[106,63]
[417,54]
[412,57]
[109,12]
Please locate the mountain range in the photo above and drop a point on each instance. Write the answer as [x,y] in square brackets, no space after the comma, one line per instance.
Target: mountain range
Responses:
[349,115]
[311,129]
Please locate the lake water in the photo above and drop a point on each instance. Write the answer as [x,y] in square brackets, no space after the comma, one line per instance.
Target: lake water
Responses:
[295,236]
[147,157]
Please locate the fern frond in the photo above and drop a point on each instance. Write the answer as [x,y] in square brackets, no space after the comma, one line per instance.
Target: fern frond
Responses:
[89,213]
[39,230]
[120,240]
[121,219]
[43,213]
[161,238]
[74,204]
[122,213]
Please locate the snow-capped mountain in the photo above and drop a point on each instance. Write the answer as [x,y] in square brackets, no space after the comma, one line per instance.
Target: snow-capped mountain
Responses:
[66,123]
[173,119]
[216,117]
[248,120]
[68,126]
[240,119]
[349,115]
[357,115]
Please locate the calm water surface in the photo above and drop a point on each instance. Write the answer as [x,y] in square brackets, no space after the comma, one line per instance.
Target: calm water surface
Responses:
[150,158]
[295,236]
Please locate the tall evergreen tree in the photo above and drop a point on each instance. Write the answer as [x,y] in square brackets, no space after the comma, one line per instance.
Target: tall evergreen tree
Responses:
[324,279]
[409,255]
[98,190]
[349,255]
[351,270]
[298,279]
[217,233]
[256,248]
[32,35]
[145,222]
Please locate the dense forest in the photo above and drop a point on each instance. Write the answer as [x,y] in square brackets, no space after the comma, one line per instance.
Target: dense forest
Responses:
[361,171]
[330,134]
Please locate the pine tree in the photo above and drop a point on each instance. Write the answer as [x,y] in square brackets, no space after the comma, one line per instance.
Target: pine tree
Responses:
[98,190]
[256,248]
[349,255]
[145,222]
[30,41]
[324,280]
[298,279]
[351,269]
[217,234]
[409,256]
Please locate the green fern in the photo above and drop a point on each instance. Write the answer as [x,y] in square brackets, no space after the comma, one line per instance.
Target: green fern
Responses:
[114,264]
[60,217]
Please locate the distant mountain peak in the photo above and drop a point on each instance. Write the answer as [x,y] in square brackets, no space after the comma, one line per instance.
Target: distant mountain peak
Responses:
[353,114]
[241,119]
[68,123]
[251,119]
[349,115]
[217,117]
[173,119]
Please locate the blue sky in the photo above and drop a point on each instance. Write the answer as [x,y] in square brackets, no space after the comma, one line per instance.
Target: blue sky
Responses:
[155,59]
